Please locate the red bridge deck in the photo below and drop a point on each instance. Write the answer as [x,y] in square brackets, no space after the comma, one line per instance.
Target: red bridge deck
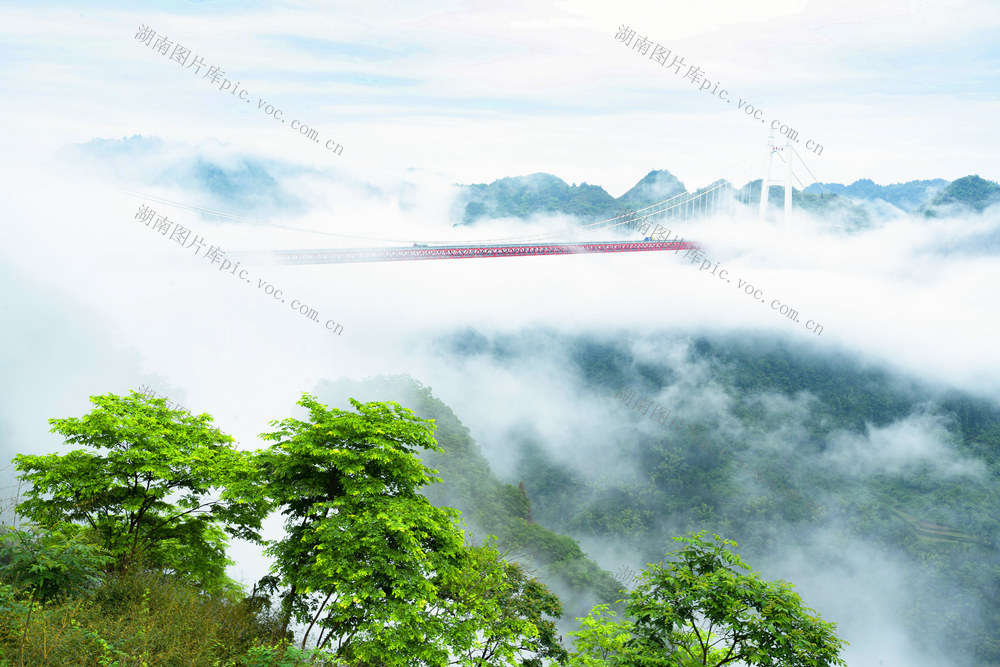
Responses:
[343,255]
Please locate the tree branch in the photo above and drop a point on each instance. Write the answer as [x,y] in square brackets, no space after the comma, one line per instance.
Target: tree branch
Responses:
[318,612]
[701,642]
[179,515]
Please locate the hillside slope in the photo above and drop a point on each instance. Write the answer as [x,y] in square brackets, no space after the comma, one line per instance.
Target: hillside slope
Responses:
[801,456]
[488,506]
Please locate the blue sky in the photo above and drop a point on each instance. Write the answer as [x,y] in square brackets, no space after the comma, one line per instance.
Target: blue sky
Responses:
[893,91]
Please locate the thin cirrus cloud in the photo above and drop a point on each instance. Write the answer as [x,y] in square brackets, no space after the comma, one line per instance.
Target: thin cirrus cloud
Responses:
[434,85]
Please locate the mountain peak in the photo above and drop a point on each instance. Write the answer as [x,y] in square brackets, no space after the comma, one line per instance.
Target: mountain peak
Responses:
[657,185]
[971,191]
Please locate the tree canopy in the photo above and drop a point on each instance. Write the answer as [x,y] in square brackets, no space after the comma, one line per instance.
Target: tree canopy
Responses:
[155,485]
[707,607]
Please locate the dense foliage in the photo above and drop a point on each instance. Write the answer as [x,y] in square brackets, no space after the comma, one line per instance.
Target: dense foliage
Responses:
[383,576]
[50,564]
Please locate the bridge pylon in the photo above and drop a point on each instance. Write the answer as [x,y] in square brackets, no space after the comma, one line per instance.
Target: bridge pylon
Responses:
[766,182]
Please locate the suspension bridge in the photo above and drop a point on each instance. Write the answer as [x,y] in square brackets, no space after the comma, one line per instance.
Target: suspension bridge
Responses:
[719,198]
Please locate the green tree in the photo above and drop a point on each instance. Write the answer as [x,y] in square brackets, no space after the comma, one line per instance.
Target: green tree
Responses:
[601,640]
[507,609]
[707,607]
[160,487]
[364,554]
[385,576]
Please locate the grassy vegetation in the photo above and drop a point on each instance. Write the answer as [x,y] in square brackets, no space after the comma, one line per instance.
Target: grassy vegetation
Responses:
[139,619]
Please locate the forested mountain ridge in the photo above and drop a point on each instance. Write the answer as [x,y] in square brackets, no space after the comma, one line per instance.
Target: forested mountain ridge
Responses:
[787,448]
[928,196]
[908,196]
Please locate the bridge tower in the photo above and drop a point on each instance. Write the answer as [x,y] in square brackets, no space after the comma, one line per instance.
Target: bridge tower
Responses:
[767,182]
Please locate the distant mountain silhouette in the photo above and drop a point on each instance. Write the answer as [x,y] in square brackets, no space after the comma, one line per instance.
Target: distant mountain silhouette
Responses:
[249,185]
[524,196]
[908,196]
[539,194]
[968,192]
[246,185]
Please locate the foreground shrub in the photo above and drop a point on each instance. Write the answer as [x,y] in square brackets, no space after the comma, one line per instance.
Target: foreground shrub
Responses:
[50,563]
[137,619]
